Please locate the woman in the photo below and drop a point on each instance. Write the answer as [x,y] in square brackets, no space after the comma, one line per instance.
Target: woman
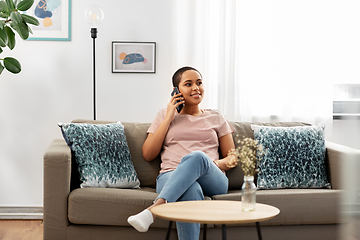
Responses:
[188,142]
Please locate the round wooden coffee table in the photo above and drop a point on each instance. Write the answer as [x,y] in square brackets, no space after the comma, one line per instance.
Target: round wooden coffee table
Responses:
[214,212]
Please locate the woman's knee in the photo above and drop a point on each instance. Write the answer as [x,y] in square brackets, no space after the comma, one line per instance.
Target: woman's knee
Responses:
[194,192]
[197,155]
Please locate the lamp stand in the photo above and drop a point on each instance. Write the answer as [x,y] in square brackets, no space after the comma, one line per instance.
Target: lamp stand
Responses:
[94,35]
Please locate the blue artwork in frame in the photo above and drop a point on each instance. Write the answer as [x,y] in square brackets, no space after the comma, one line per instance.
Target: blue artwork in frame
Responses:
[133,57]
[54,17]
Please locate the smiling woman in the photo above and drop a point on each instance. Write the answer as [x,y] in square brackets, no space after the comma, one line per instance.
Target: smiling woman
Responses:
[188,142]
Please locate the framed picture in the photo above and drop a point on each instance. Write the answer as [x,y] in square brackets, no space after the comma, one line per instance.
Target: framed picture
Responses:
[54,17]
[133,57]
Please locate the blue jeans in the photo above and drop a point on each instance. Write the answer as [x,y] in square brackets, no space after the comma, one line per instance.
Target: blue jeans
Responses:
[194,177]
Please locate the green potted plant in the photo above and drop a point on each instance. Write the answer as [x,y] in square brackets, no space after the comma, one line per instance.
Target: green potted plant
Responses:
[13,20]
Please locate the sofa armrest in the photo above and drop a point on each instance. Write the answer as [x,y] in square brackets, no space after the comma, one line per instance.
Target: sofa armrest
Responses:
[340,158]
[57,173]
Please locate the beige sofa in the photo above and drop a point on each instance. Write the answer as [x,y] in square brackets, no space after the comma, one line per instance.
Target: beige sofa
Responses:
[75,213]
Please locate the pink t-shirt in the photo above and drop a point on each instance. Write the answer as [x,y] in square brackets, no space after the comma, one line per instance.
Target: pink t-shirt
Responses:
[189,133]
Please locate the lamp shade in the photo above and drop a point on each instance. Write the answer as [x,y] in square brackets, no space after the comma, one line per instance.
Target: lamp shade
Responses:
[94,15]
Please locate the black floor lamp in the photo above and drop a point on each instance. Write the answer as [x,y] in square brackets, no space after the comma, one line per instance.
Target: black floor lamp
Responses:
[94,16]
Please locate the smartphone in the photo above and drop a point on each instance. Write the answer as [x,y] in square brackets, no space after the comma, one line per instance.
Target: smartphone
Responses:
[180,107]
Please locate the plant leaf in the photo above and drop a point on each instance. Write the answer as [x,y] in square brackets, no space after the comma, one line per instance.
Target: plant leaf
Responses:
[21,29]
[2,24]
[11,5]
[30,19]
[4,7]
[24,28]
[1,50]
[3,38]
[25,5]
[30,30]
[4,15]
[11,37]
[1,68]
[16,17]
[12,65]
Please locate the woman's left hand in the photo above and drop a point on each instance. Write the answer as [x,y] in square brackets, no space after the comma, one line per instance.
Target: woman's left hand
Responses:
[226,145]
[231,161]
[227,163]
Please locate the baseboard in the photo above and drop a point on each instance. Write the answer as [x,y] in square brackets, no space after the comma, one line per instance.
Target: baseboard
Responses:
[21,212]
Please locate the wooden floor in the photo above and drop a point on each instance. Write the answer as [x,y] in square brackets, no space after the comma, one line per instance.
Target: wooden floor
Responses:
[21,230]
[33,230]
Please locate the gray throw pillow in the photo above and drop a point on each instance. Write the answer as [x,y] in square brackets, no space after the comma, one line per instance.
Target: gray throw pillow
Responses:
[102,154]
[295,157]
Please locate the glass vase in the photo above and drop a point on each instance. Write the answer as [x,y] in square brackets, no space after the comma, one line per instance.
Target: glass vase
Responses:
[248,194]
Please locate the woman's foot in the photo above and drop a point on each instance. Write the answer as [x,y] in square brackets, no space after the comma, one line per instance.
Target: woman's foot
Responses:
[141,221]
[144,219]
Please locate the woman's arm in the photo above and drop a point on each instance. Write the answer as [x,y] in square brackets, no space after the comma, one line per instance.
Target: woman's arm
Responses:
[154,141]
[226,144]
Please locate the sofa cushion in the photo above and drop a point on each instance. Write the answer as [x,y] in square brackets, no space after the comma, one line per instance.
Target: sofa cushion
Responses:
[243,129]
[102,154]
[295,157]
[136,134]
[109,206]
[297,206]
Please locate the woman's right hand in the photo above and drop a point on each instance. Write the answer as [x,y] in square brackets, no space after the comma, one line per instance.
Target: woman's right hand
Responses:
[154,142]
[172,105]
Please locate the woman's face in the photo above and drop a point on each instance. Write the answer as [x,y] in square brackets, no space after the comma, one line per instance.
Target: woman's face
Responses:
[191,87]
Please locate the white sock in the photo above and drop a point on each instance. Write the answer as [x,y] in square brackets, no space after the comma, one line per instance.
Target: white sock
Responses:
[141,221]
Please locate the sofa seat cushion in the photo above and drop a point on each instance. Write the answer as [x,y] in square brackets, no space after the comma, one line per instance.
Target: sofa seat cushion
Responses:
[108,206]
[297,206]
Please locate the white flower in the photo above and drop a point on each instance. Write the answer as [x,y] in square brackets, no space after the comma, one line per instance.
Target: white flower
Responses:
[248,154]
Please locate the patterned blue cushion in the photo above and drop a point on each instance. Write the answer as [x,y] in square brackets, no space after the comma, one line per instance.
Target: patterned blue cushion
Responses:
[295,157]
[102,154]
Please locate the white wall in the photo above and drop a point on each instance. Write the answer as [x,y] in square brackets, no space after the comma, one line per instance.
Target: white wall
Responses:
[55,85]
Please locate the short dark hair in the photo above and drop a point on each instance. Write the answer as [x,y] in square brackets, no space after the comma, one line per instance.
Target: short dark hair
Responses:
[178,74]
